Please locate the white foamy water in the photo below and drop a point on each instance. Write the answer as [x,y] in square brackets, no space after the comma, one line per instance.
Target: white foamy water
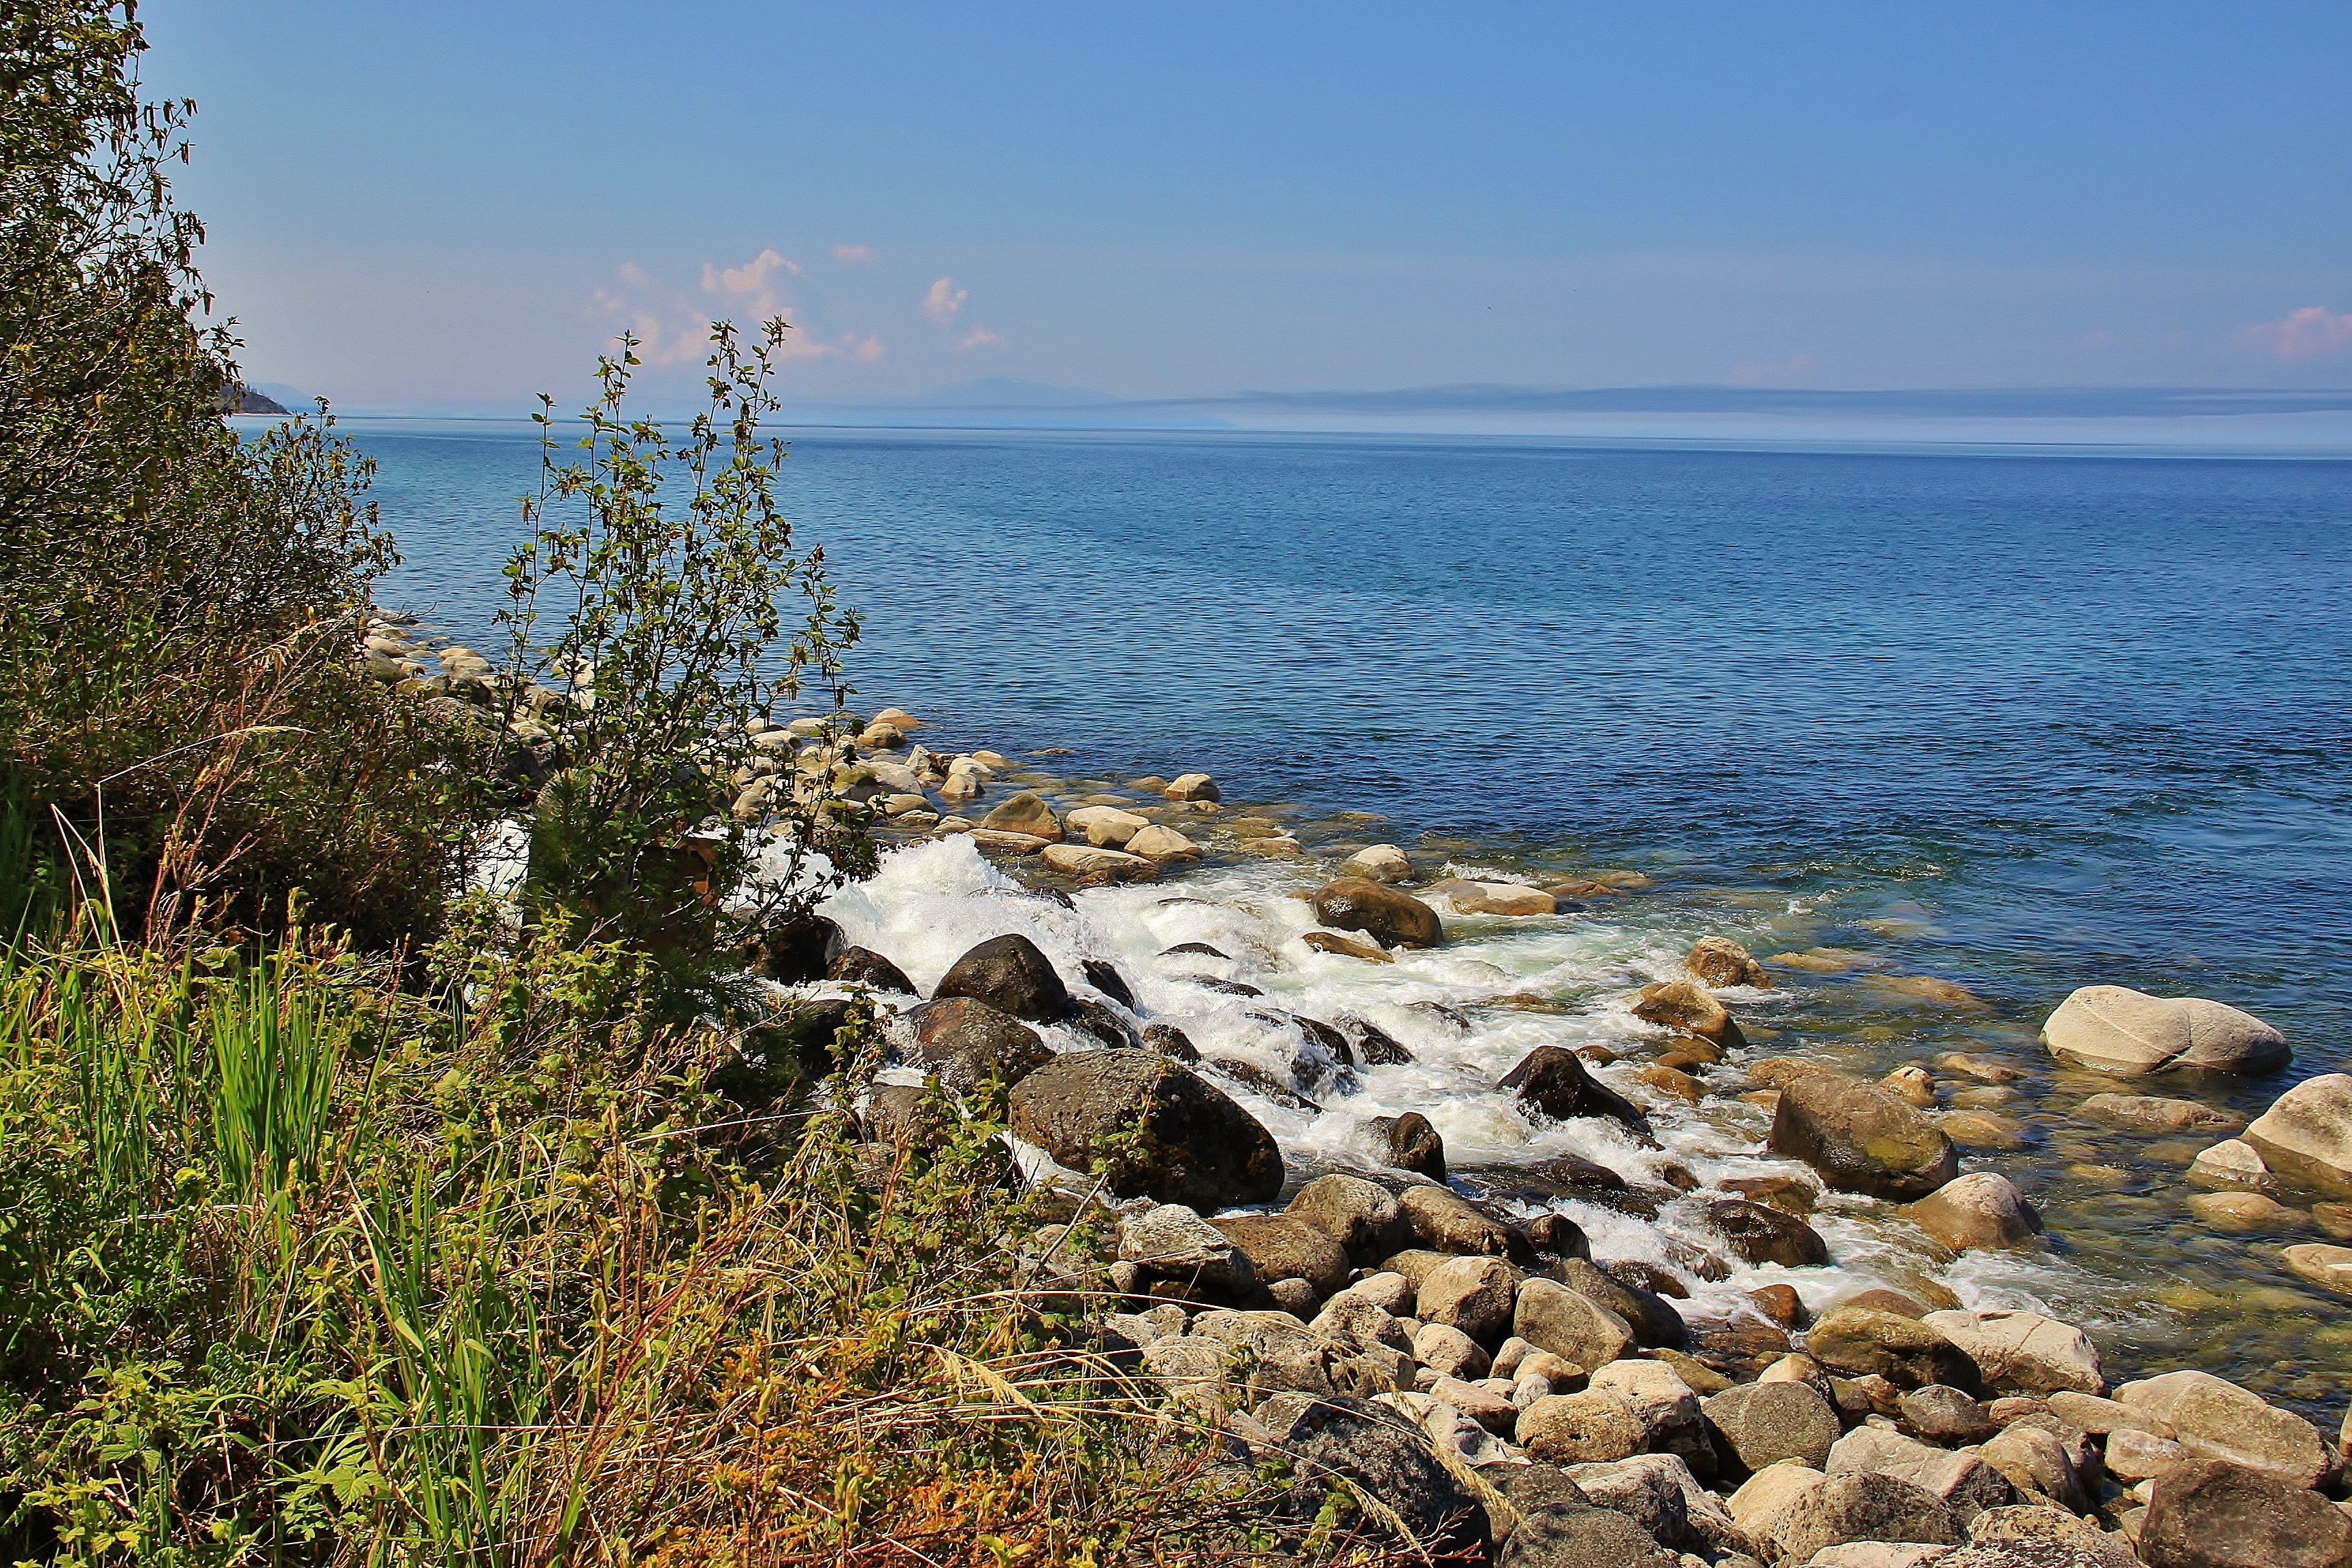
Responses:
[1468,1012]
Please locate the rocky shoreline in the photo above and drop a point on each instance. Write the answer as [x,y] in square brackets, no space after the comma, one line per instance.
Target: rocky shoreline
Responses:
[1454,1342]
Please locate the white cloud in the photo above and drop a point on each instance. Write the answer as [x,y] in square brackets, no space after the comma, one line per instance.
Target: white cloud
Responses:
[944,300]
[853,254]
[674,328]
[979,337]
[2312,332]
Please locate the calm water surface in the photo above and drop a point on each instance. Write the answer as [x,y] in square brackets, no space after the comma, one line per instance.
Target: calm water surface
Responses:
[2019,722]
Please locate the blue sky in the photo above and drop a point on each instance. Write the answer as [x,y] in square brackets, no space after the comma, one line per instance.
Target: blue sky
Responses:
[451,206]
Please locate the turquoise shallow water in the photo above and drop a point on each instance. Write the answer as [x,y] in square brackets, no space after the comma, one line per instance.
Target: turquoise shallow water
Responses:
[2019,722]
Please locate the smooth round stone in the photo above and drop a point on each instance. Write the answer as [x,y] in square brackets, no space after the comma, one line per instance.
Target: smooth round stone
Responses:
[2329,1268]
[2114,1029]
[2244,1211]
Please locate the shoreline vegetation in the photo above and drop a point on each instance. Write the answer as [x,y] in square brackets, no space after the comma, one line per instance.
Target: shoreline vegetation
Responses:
[440,1122]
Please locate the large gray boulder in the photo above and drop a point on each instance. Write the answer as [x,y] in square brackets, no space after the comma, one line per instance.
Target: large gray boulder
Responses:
[1963,1481]
[1388,1458]
[2023,1353]
[1583,1538]
[1860,1507]
[1362,1216]
[2210,1514]
[1761,1424]
[1577,1428]
[1861,1138]
[1551,1317]
[2114,1029]
[2306,1134]
[1171,1242]
[1390,917]
[1283,1354]
[1443,1221]
[1180,1139]
[2215,1419]
[1281,1247]
[1983,1208]
[1472,1294]
[1012,975]
[966,1042]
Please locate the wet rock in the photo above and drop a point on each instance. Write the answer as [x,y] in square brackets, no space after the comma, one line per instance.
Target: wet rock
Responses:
[1380,862]
[1096,865]
[2233,1161]
[1105,978]
[1280,1247]
[1445,1222]
[1104,1022]
[2114,1029]
[1856,1341]
[1761,1424]
[2210,1514]
[2245,1211]
[1718,961]
[1882,1298]
[1634,1274]
[1393,918]
[1473,1294]
[1965,1482]
[1552,1317]
[1865,1507]
[1779,1304]
[2155,1113]
[1364,1218]
[1383,1454]
[1026,813]
[967,1042]
[1195,1145]
[2306,1134]
[1684,1005]
[796,952]
[1260,1081]
[1172,1243]
[863,966]
[1984,1130]
[1552,1081]
[1012,975]
[1345,947]
[1411,1144]
[1107,827]
[1945,1415]
[1171,1042]
[809,1034]
[1980,1209]
[1192,787]
[2037,1460]
[1374,1046]
[2023,1353]
[2329,1268]
[1861,1139]
[1763,1235]
[2216,1419]
[1557,1236]
[1913,1085]
[1162,845]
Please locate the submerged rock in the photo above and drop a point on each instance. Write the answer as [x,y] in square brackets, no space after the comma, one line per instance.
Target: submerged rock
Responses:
[1684,1005]
[1189,1143]
[2114,1029]
[2155,1113]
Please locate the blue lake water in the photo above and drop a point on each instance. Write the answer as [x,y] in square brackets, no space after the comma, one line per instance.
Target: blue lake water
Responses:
[2021,722]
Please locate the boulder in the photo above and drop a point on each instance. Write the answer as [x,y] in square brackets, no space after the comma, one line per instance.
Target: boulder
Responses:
[1192,787]
[1390,917]
[967,1042]
[1763,1235]
[1026,813]
[1551,1081]
[2023,1353]
[2215,1419]
[1364,1218]
[1684,1005]
[1187,1141]
[1448,1352]
[1378,863]
[1856,1342]
[1098,864]
[863,966]
[1583,1538]
[2114,1029]
[1385,1455]
[1195,1372]
[1980,1209]
[1664,1409]
[1721,961]
[1576,1428]
[2036,1459]
[2232,1162]
[1345,947]
[1660,1494]
[2210,1514]
[796,951]
[1171,1242]
[2155,1113]
[1282,1248]
[1551,1317]
[1652,1318]
[1473,1294]
[1444,1222]
[1160,845]
[2306,1134]
[1411,1144]
[1947,1415]
[1012,975]
[1104,827]
[2133,1456]
[1498,898]
[1761,1424]
[1283,1352]
[1860,1507]
[1961,1481]
[1765,1494]
[1861,1139]
[2326,1266]
[2037,1535]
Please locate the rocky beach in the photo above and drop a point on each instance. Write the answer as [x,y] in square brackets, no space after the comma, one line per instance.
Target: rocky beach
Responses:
[1564,1224]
